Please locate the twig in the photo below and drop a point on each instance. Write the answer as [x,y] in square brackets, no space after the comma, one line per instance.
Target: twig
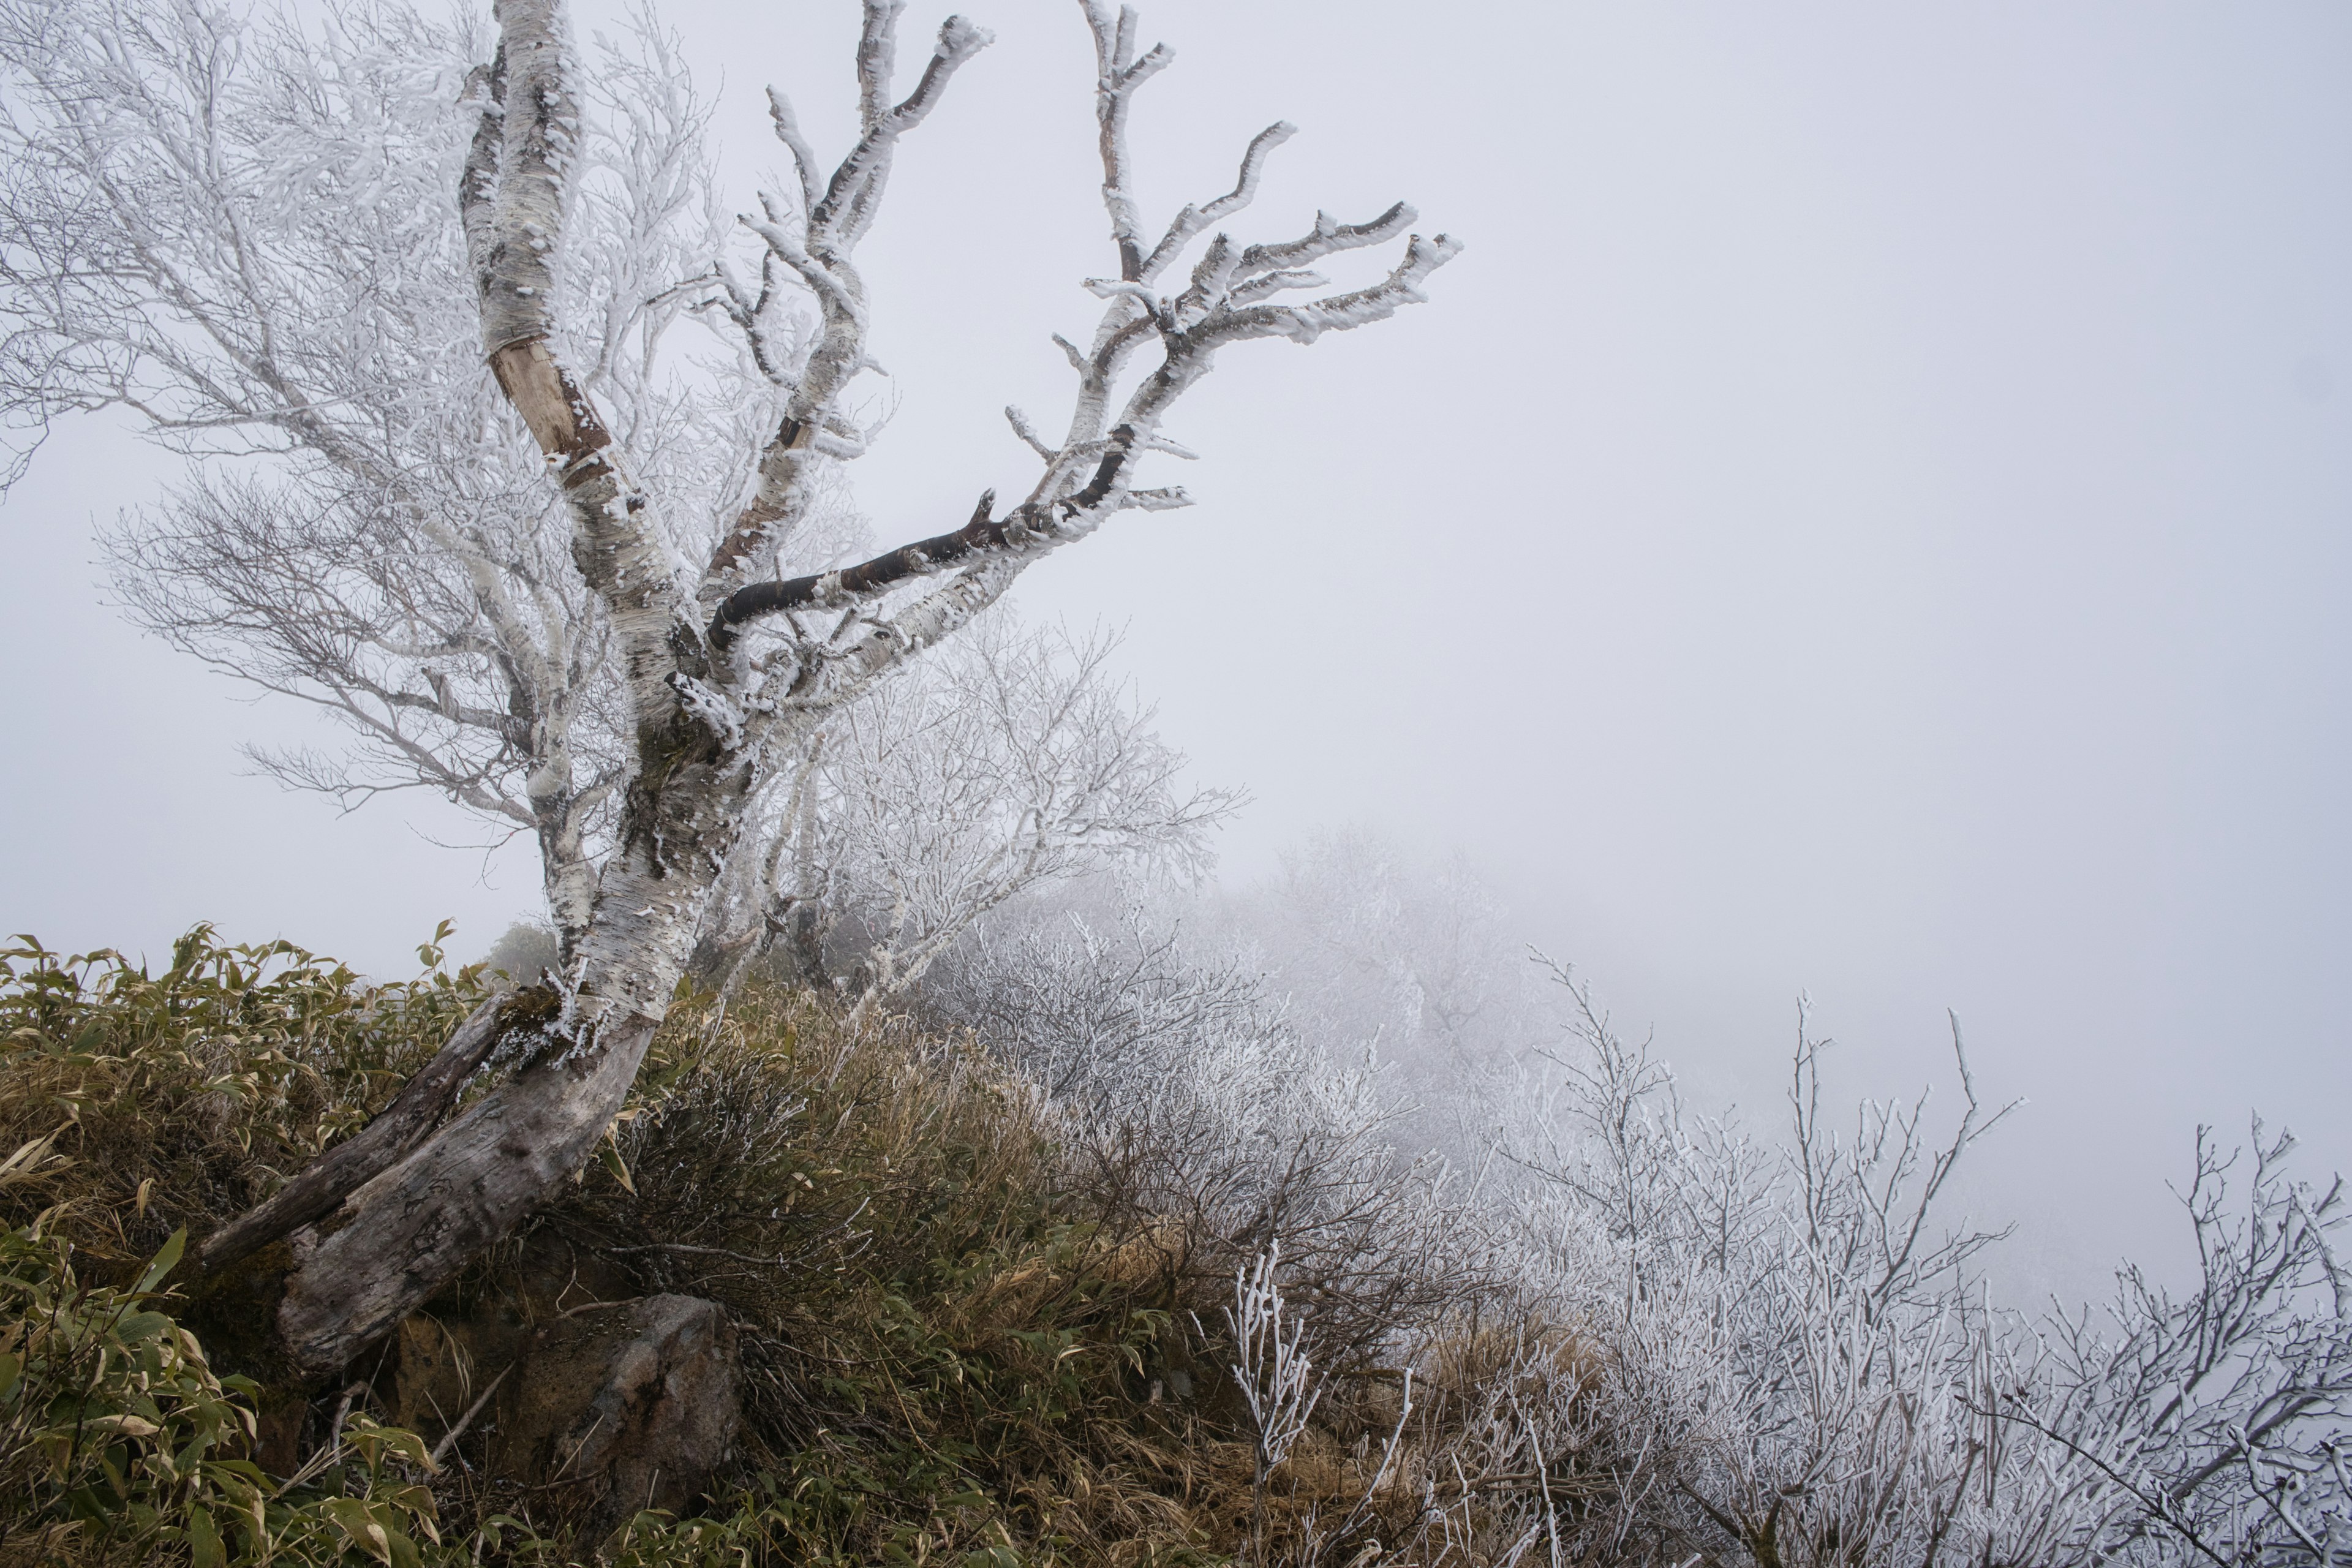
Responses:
[783,1262]
[1543,1479]
[343,1413]
[329,1452]
[449,1438]
[2159,1507]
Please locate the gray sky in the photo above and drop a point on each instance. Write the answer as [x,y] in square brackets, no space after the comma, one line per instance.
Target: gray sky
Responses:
[1869,515]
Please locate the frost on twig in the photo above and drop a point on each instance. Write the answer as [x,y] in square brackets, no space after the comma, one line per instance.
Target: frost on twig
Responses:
[1803,1351]
[1271,1368]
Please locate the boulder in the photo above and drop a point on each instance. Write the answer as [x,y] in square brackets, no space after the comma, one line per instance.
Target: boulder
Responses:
[608,1407]
[631,1407]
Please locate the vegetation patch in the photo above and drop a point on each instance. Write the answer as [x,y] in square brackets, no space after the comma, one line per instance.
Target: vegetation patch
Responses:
[950,1353]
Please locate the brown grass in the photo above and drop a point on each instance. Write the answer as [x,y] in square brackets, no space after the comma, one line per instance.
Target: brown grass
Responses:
[954,1352]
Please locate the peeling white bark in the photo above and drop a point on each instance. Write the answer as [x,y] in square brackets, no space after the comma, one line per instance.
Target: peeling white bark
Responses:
[537,124]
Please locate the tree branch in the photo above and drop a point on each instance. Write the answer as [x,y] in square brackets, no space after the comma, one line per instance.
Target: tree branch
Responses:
[1024,528]
[1193,220]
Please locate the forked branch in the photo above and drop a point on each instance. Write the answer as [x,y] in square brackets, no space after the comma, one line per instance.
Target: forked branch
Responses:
[1227,301]
[822,254]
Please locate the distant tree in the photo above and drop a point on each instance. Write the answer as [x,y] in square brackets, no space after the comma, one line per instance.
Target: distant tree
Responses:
[523,951]
[1371,948]
[1184,1095]
[572,592]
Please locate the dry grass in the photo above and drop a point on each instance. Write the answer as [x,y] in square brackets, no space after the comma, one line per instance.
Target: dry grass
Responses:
[184,1096]
[955,1349]
[947,1354]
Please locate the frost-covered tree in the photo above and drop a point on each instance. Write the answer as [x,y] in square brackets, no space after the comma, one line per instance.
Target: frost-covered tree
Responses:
[1370,944]
[248,237]
[295,250]
[1801,1364]
[1372,947]
[1011,760]
[1182,1093]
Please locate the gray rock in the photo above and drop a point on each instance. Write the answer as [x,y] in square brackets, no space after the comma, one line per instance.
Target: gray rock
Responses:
[630,1409]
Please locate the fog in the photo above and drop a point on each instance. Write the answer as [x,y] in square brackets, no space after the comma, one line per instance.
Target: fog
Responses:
[1867,517]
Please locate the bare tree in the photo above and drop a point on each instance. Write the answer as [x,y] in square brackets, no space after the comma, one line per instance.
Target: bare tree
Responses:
[177,224]
[1186,1103]
[1014,759]
[1802,1365]
[1089,987]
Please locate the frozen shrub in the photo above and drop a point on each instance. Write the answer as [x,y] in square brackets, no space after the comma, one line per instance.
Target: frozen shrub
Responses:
[1185,1097]
[1800,1365]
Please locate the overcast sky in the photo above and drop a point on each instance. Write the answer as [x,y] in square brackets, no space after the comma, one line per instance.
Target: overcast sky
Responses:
[1870,514]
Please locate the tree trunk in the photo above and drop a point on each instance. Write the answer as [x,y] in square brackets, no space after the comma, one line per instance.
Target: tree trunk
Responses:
[394,1241]
[396,1238]
[414,1112]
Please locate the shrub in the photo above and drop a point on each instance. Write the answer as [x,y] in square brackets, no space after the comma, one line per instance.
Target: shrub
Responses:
[117,1443]
[970,1315]
[188,1096]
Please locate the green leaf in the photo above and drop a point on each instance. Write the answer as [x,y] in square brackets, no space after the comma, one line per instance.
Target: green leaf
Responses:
[142,1326]
[358,1523]
[204,1548]
[611,1155]
[376,1440]
[165,1261]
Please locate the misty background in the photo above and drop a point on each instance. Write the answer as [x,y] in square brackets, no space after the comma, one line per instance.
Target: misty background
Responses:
[1868,515]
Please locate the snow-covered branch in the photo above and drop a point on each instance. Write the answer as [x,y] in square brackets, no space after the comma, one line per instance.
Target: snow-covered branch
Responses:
[823,256]
[1223,305]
